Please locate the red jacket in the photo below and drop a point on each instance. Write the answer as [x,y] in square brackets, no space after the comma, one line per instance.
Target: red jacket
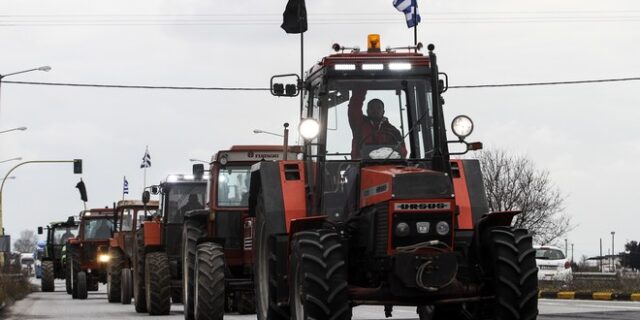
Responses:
[367,131]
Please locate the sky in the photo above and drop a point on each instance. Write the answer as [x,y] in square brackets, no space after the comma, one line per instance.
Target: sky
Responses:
[585,135]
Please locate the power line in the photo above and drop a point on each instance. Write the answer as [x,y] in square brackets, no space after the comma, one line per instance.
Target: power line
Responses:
[122,86]
[550,83]
[475,86]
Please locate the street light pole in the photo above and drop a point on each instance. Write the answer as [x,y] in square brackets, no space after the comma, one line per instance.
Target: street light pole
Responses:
[2,76]
[14,129]
[7,176]
[12,159]
[256,131]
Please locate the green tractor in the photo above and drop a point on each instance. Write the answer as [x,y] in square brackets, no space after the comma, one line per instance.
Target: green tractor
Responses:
[53,266]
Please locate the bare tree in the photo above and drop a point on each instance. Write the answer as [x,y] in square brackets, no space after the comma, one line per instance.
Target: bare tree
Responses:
[514,183]
[27,241]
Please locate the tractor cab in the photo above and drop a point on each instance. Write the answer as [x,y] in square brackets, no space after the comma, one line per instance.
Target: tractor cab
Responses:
[374,129]
[179,193]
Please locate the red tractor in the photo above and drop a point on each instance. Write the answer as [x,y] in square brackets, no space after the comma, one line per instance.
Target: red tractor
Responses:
[377,212]
[88,254]
[216,256]
[158,270]
[130,215]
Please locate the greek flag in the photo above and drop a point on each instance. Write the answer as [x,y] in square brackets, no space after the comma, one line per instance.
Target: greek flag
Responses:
[125,186]
[146,160]
[410,10]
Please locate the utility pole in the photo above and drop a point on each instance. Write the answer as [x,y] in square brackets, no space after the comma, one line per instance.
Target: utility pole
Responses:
[613,245]
[600,255]
[572,253]
[566,247]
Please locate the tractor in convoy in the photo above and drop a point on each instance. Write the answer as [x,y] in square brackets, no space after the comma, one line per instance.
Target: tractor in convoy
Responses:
[158,272]
[87,255]
[216,256]
[52,266]
[378,211]
[130,215]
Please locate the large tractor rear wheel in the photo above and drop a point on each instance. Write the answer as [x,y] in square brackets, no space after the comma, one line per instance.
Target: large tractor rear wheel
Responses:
[138,274]
[81,285]
[157,279]
[319,277]
[209,279]
[47,280]
[514,272]
[193,229]
[126,286]
[265,276]
[114,276]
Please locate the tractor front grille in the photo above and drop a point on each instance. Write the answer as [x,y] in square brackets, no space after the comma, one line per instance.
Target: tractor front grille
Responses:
[381,233]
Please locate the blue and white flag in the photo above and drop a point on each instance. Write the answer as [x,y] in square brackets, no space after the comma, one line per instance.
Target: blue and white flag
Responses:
[410,10]
[146,159]
[125,186]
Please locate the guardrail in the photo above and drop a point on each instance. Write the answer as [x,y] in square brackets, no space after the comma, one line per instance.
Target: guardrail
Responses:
[595,276]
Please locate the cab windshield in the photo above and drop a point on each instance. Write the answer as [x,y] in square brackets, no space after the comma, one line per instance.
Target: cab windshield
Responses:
[61,234]
[183,197]
[98,229]
[373,119]
[233,186]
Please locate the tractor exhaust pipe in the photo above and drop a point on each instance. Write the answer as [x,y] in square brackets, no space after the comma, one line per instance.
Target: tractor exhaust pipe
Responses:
[285,136]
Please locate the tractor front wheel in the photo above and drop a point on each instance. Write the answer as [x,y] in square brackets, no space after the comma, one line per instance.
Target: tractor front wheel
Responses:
[138,274]
[193,229]
[514,272]
[157,280]
[81,285]
[209,282]
[319,277]
[126,285]
[47,279]
[114,276]
[265,262]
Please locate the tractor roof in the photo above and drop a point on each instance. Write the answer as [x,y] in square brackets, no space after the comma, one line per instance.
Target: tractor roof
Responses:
[254,153]
[136,203]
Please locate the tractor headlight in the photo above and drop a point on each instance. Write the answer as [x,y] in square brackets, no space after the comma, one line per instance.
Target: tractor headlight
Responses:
[402,229]
[422,227]
[104,258]
[462,126]
[442,228]
[309,129]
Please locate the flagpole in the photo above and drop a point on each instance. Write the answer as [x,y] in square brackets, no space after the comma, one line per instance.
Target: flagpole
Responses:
[124,178]
[415,25]
[144,180]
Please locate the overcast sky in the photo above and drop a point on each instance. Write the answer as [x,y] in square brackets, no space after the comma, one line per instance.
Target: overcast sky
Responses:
[587,136]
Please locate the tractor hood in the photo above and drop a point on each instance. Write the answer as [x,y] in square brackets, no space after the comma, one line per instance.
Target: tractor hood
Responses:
[384,183]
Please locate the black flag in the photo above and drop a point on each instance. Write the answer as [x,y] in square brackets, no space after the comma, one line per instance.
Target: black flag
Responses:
[294,18]
[83,190]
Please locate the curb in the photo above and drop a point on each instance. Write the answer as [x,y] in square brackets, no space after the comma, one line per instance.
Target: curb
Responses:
[589,295]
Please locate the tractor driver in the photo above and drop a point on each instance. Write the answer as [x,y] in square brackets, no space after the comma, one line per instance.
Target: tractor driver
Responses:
[372,129]
[192,204]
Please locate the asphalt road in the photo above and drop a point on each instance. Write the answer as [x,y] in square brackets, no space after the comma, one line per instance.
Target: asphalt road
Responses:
[59,305]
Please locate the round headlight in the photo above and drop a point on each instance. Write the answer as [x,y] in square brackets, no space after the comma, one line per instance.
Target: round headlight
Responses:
[442,228]
[309,129]
[462,126]
[402,229]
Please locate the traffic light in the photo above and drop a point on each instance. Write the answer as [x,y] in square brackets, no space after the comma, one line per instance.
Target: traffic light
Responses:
[77,166]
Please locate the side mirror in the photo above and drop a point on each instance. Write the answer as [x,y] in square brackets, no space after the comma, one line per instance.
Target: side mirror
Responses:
[198,170]
[155,190]
[146,196]
[40,231]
